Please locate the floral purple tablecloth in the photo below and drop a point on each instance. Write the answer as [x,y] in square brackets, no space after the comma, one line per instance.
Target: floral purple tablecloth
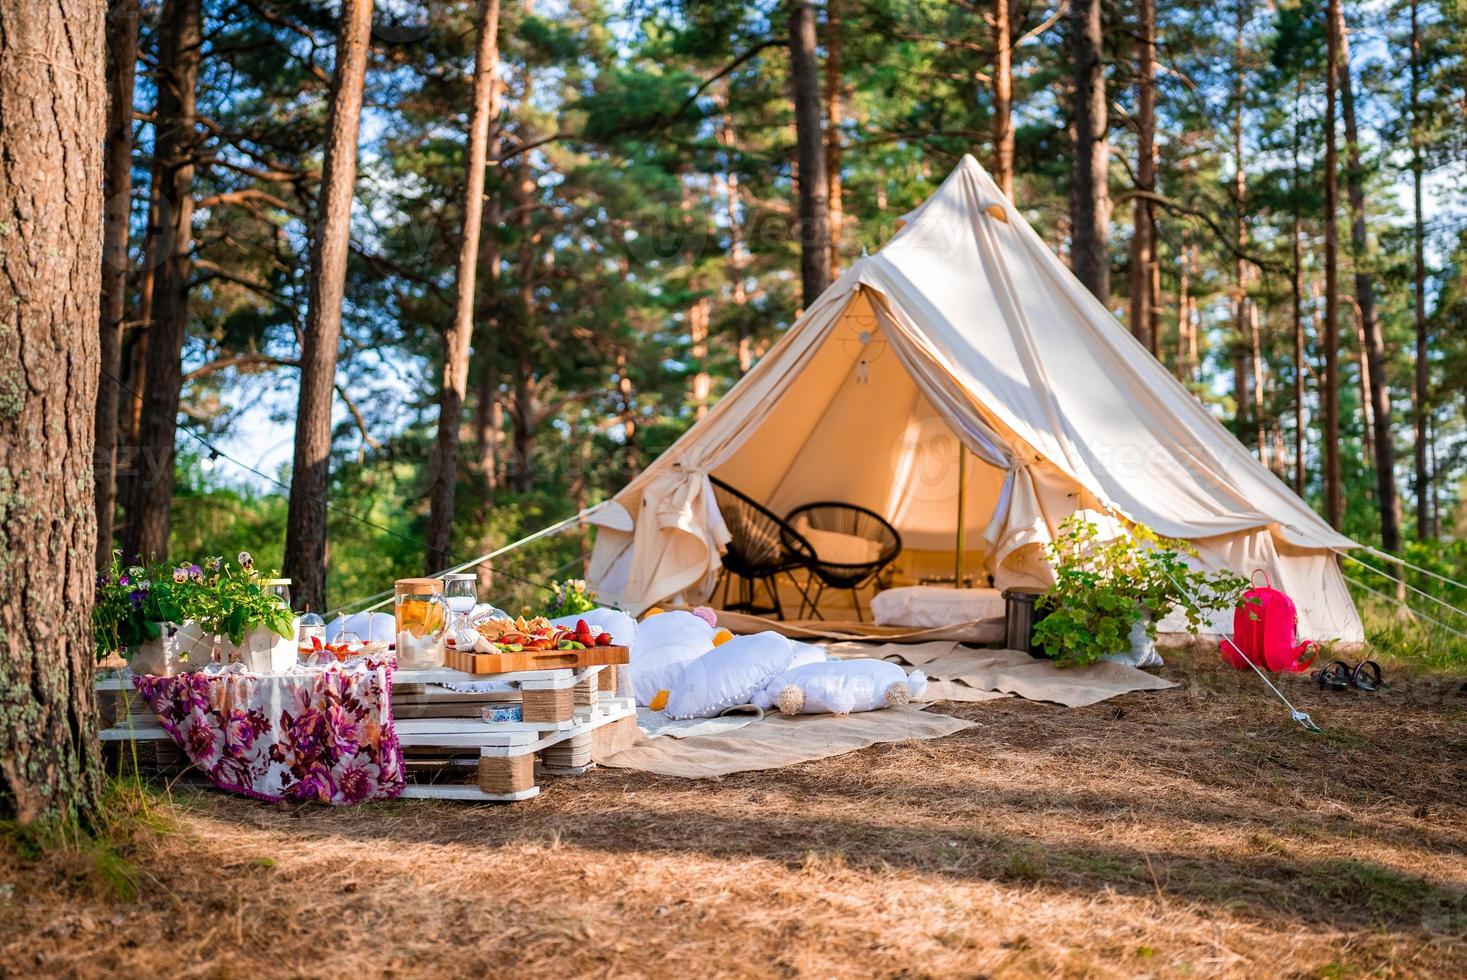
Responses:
[321,733]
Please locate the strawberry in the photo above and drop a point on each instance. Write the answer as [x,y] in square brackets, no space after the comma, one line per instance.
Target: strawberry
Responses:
[581,627]
[604,640]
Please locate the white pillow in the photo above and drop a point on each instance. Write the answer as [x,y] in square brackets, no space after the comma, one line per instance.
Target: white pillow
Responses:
[663,645]
[807,653]
[838,548]
[841,686]
[730,675]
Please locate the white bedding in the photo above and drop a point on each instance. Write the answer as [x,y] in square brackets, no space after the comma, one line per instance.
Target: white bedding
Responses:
[927,606]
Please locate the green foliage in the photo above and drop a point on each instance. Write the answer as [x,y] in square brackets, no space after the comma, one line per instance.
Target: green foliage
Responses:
[570,597]
[1104,588]
[134,605]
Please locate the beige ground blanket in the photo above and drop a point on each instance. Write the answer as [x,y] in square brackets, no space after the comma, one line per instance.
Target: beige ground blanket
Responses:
[773,742]
[961,672]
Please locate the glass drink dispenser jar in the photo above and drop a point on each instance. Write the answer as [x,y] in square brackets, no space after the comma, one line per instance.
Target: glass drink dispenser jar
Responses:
[422,622]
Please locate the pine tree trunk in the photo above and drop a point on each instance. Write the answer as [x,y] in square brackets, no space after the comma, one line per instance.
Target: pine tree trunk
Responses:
[53,104]
[310,484]
[456,339]
[1184,366]
[1420,402]
[1296,289]
[810,154]
[1143,240]
[833,97]
[1089,249]
[1242,345]
[699,311]
[122,57]
[1387,495]
[151,488]
[733,213]
[1329,337]
[1003,98]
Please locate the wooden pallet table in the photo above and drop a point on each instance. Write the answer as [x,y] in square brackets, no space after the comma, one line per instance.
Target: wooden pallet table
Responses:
[451,752]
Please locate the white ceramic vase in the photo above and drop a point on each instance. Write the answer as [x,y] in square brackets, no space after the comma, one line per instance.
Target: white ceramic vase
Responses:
[262,651]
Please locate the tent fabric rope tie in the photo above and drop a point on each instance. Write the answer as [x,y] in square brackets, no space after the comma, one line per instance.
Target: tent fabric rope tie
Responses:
[1384,574]
[383,598]
[1409,608]
[1302,717]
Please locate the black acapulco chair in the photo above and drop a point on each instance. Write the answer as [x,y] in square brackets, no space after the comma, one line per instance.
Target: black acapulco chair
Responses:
[760,548]
[858,522]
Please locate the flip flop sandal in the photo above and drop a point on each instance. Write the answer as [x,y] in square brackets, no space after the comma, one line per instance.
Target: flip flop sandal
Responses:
[1335,676]
[1367,677]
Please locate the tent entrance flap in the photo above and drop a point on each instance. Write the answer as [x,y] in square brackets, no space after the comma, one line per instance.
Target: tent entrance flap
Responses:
[855,427]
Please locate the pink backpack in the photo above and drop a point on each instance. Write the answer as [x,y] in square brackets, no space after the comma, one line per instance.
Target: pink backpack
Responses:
[1264,629]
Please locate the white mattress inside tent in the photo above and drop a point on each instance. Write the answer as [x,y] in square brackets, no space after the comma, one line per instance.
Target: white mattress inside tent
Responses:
[926,606]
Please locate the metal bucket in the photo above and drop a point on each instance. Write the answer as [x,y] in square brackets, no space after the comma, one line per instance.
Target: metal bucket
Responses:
[1019,620]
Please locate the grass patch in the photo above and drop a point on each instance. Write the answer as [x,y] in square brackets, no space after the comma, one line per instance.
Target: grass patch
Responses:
[96,860]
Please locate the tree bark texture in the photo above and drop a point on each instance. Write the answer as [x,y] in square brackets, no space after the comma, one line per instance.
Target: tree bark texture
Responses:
[1003,98]
[310,483]
[122,57]
[1143,239]
[459,334]
[1387,496]
[833,98]
[810,154]
[53,100]
[1329,335]
[1089,248]
[150,491]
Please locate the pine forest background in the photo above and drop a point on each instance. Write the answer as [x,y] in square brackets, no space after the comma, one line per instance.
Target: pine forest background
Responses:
[641,233]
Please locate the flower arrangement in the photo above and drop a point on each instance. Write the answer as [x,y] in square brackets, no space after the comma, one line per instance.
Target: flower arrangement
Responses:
[570,597]
[1104,588]
[135,604]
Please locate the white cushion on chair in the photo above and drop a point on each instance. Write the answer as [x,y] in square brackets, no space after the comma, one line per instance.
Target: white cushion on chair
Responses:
[838,548]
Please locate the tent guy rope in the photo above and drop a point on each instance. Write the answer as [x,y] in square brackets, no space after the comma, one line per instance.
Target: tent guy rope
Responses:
[382,598]
[1384,574]
[1302,717]
[1411,609]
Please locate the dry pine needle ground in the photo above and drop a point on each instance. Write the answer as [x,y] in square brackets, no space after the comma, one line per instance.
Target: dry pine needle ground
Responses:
[1192,831]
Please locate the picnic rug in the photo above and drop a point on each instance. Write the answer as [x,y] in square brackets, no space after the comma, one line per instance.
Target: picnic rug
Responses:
[966,674]
[711,747]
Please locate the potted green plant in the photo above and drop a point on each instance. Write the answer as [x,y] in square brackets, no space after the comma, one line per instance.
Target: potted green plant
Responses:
[253,626]
[146,616]
[164,620]
[1109,594]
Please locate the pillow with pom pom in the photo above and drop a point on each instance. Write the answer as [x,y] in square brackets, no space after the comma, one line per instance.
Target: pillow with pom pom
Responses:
[840,687]
[663,645]
[730,675]
[805,653]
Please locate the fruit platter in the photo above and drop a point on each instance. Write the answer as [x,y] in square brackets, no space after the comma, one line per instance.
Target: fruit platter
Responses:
[518,635]
[496,646]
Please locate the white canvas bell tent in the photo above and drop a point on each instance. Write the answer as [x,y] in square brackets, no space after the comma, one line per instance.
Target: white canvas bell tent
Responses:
[965,326]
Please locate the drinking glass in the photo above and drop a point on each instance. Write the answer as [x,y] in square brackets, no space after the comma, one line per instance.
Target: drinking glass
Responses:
[462,594]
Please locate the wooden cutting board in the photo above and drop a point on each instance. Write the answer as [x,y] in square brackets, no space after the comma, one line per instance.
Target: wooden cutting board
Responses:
[503,663]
